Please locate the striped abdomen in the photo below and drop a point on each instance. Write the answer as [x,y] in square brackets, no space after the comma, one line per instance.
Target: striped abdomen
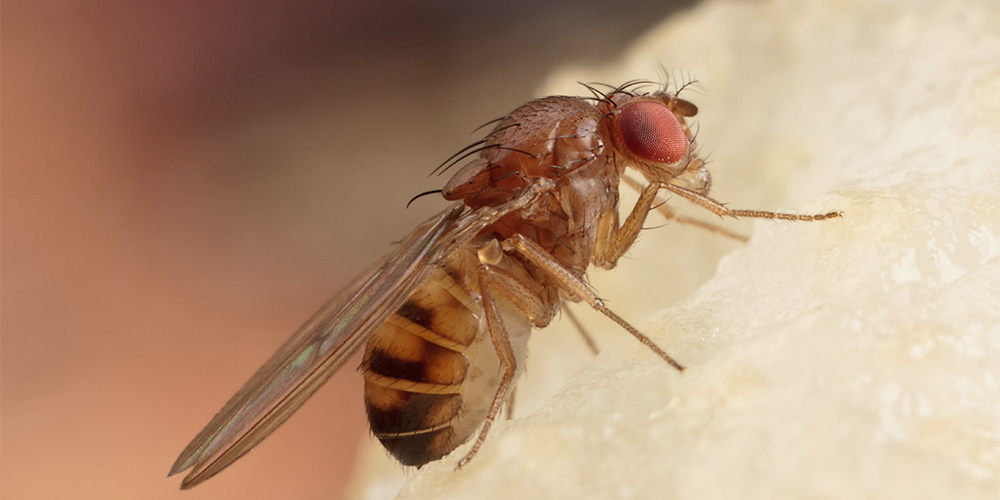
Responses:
[431,370]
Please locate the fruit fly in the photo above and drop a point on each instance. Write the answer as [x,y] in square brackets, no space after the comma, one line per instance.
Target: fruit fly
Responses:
[445,318]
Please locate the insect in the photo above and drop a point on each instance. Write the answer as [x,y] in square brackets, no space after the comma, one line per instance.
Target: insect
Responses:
[446,316]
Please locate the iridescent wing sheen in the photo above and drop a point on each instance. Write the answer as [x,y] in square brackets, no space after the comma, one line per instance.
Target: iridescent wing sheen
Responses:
[316,351]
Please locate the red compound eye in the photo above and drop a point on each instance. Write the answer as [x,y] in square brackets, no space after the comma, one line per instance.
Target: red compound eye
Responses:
[651,132]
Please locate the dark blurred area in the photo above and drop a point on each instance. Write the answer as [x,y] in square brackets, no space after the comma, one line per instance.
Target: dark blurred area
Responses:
[185,182]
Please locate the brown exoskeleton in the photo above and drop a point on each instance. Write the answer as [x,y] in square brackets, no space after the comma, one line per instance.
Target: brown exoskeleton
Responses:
[446,316]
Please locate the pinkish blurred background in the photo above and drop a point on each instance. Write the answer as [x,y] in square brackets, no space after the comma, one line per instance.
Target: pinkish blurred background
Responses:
[185,182]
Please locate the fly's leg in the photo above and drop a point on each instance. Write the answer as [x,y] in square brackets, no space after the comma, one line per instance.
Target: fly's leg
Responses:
[587,339]
[539,257]
[670,214]
[625,236]
[719,209]
[493,278]
[509,405]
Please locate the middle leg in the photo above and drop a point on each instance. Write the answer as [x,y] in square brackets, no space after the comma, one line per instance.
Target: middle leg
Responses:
[493,280]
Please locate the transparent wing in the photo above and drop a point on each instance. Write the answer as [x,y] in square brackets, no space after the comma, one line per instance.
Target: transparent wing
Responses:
[322,345]
[316,351]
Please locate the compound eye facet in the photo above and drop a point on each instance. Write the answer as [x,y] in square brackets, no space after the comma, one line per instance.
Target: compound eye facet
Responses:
[652,132]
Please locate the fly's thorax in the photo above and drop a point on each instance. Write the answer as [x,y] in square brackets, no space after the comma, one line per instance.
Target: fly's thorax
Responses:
[431,370]
[571,220]
[546,138]
[589,199]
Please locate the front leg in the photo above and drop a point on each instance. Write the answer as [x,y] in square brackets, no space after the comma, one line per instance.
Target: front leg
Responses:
[719,209]
[670,214]
[620,239]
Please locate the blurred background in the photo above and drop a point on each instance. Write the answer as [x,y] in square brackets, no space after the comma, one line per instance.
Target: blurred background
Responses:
[184,183]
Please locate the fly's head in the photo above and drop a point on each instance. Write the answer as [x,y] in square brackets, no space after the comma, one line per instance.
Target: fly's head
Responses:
[649,133]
